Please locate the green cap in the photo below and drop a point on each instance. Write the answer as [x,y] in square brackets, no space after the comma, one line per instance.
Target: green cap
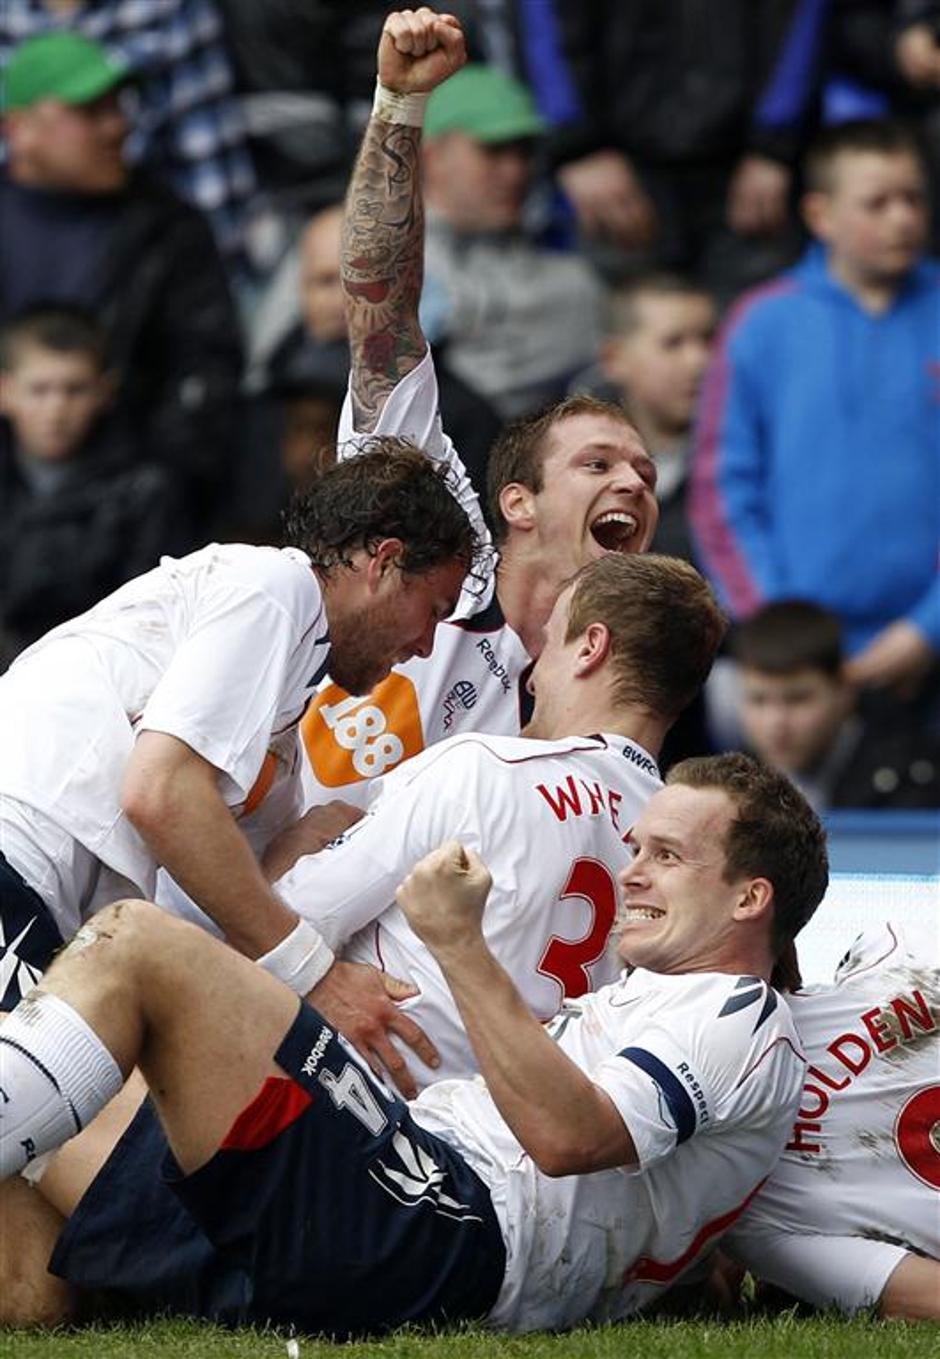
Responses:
[61,65]
[485,104]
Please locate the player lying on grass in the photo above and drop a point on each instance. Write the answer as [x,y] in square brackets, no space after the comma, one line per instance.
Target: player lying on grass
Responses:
[592,1165]
[850,1218]
[565,488]
[628,644]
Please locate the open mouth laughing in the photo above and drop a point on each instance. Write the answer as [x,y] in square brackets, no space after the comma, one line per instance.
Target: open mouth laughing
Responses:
[614,529]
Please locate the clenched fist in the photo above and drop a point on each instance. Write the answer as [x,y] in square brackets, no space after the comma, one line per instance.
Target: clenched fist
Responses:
[444,895]
[419,49]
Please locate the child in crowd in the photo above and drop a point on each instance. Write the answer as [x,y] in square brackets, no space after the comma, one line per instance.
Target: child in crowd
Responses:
[79,516]
[659,336]
[817,464]
[799,713]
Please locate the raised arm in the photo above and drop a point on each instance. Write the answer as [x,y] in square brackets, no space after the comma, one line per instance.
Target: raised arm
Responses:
[383,229]
[565,1121]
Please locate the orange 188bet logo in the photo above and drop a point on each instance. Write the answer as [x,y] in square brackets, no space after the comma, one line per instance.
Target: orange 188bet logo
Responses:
[352,738]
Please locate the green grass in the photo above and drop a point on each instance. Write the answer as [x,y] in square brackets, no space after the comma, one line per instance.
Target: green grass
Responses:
[783,1337]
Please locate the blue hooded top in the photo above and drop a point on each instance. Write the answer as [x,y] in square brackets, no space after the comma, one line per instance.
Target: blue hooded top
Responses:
[817,462]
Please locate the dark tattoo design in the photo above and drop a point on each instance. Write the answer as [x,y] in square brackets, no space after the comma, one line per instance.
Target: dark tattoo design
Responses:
[383,265]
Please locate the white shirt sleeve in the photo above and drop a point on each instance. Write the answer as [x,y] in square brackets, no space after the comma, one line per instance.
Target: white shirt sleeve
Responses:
[675,1082]
[848,1272]
[412,410]
[227,681]
[660,1095]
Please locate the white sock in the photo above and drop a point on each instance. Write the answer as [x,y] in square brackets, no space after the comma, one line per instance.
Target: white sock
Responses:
[55,1074]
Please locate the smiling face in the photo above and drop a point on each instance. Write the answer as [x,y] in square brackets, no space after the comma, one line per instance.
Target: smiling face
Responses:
[390,616]
[679,912]
[598,492]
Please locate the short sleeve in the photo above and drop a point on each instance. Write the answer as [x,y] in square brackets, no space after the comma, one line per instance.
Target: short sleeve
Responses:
[229,678]
[660,1092]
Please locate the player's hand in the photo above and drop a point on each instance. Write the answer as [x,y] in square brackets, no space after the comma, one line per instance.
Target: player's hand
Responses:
[609,199]
[899,657]
[360,1001]
[444,895]
[419,49]
[311,833]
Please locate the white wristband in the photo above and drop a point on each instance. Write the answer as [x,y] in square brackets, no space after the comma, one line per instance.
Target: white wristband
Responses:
[393,107]
[300,960]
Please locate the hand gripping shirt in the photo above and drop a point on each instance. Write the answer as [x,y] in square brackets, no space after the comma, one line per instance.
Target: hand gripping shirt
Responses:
[705,1070]
[549,819]
[858,1185]
[473,681]
[222,649]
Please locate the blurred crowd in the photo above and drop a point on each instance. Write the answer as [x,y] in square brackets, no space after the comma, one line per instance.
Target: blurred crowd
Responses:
[716,212]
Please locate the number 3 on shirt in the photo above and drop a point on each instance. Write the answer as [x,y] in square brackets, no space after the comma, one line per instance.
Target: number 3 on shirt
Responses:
[568,960]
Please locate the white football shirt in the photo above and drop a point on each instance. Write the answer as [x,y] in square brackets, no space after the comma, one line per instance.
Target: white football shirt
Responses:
[859,1181]
[705,1070]
[473,681]
[549,819]
[221,649]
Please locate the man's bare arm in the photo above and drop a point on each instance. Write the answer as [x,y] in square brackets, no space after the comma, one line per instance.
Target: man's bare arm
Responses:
[383,229]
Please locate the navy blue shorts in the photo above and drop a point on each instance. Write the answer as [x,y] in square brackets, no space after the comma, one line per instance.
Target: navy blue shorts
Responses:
[327,1208]
[29,936]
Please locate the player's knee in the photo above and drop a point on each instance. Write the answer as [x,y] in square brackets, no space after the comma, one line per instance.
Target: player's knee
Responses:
[120,932]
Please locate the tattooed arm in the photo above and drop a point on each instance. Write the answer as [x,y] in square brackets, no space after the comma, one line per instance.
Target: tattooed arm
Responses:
[383,228]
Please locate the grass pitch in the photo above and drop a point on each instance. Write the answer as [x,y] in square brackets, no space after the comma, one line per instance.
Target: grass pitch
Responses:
[783,1337]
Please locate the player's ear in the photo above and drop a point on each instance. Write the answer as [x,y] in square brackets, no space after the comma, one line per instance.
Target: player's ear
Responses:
[593,648]
[756,900]
[383,560]
[517,506]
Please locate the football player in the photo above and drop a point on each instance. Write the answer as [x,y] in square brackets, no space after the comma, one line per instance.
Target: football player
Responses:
[626,647]
[135,734]
[273,1179]
[851,1216]
[565,487]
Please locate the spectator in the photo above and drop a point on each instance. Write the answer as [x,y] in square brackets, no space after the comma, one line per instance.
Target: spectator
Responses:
[78,227]
[817,464]
[799,713]
[660,329]
[689,119]
[890,49]
[189,134]
[81,516]
[518,319]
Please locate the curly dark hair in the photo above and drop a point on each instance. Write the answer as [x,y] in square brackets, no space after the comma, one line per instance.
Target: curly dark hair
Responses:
[389,489]
[775,835]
